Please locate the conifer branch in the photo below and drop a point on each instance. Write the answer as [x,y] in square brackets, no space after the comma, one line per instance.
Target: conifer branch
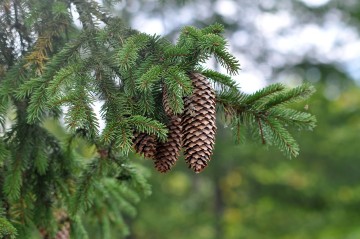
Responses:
[267,108]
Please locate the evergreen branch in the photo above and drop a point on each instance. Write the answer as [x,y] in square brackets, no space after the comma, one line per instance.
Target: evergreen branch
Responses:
[211,43]
[227,60]
[174,98]
[302,120]
[149,126]
[77,228]
[270,121]
[25,90]
[109,133]
[265,92]
[62,77]
[290,96]
[133,178]
[60,59]
[41,162]
[129,53]
[216,28]
[4,152]
[3,109]
[277,134]
[14,77]
[221,79]
[119,202]
[21,150]
[82,200]
[123,137]
[174,53]
[149,78]
[146,104]
[178,80]
[92,7]
[236,125]
[7,230]
[37,105]
[261,131]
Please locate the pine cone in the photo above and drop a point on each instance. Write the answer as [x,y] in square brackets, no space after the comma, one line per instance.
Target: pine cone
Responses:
[64,232]
[198,122]
[145,145]
[166,103]
[168,153]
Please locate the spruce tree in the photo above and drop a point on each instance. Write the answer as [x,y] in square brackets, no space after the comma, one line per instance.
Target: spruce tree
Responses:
[156,96]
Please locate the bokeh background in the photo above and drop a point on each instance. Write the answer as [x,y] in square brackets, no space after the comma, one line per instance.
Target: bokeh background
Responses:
[250,190]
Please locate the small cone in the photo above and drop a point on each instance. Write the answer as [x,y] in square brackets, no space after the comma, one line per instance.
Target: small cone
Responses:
[168,153]
[198,122]
[145,145]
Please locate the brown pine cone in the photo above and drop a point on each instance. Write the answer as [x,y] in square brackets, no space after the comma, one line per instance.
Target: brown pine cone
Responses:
[167,153]
[198,122]
[145,145]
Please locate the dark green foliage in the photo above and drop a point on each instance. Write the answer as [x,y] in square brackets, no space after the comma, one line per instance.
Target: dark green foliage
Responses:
[60,72]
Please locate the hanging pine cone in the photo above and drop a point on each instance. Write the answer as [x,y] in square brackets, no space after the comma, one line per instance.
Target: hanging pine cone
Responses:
[166,103]
[198,122]
[145,145]
[167,153]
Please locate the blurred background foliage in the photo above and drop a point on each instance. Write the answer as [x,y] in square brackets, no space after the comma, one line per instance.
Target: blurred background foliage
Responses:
[250,191]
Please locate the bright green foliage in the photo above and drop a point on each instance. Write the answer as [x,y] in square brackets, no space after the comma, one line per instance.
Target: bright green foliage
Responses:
[59,72]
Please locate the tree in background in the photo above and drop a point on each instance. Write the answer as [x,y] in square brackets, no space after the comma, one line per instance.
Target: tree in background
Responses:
[258,194]
[154,94]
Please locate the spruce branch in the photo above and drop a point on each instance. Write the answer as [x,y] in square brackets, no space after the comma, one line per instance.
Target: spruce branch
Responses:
[221,79]
[290,96]
[301,120]
[277,134]
[149,78]
[129,53]
[82,200]
[149,126]
[265,92]
[267,109]
[7,230]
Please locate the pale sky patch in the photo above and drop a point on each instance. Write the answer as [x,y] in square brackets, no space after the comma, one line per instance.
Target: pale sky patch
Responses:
[226,8]
[315,3]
